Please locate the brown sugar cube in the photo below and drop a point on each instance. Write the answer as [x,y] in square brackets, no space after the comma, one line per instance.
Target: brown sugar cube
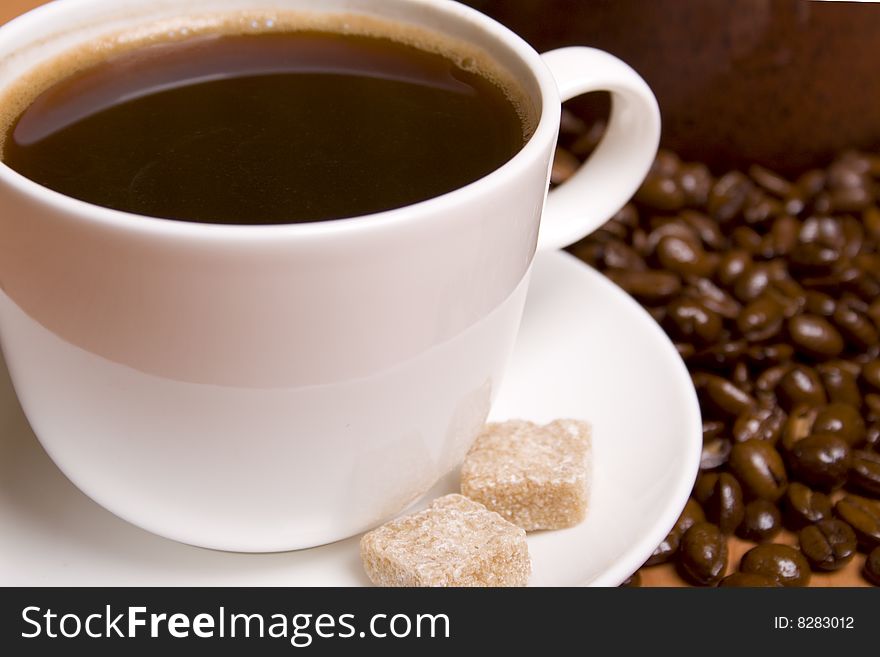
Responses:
[454,542]
[537,477]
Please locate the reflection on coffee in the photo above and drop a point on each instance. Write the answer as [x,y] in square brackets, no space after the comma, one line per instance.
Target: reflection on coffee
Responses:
[268,128]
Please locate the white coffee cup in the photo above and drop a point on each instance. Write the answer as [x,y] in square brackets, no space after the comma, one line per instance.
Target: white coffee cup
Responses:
[263,388]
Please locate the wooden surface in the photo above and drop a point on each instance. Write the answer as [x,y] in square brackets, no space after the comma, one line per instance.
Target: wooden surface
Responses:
[663,575]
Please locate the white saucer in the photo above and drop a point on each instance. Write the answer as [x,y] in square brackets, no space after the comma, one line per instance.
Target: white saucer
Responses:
[585,350]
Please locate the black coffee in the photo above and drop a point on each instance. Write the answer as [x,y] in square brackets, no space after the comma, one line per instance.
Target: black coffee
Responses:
[271,128]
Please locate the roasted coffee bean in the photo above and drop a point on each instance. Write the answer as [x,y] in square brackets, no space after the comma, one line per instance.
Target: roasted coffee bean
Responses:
[628,215]
[586,143]
[688,319]
[813,259]
[716,453]
[564,166]
[800,385]
[866,262]
[770,181]
[741,377]
[871,220]
[633,581]
[822,230]
[855,326]
[748,580]
[699,379]
[864,474]
[725,505]
[872,437]
[821,460]
[761,207]
[639,241]
[708,229]
[798,426]
[695,181]
[874,311]
[690,515]
[662,227]
[703,487]
[767,250]
[864,517]
[611,231]
[851,199]
[784,234]
[872,404]
[651,286]
[795,205]
[859,282]
[666,163]
[684,349]
[761,319]
[666,550]
[864,285]
[726,397]
[712,429]
[778,270]
[589,251]
[770,378]
[759,468]
[783,563]
[854,237]
[872,567]
[828,545]
[788,294]
[804,506]
[660,192]
[658,313]
[732,265]
[822,203]
[832,283]
[619,255]
[856,161]
[728,196]
[747,239]
[840,383]
[819,303]
[871,376]
[761,521]
[759,424]
[811,182]
[714,298]
[722,354]
[770,354]
[815,336]
[570,123]
[842,420]
[703,554]
[752,283]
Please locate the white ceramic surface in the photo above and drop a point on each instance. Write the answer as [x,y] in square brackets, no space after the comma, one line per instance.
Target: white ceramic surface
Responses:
[262,388]
[585,350]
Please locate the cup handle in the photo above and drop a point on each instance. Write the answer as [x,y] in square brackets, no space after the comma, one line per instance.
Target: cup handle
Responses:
[612,174]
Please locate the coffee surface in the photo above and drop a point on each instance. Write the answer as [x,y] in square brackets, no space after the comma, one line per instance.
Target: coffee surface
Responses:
[271,128]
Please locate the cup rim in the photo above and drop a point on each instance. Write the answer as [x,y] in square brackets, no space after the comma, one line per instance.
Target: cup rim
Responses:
[545,131]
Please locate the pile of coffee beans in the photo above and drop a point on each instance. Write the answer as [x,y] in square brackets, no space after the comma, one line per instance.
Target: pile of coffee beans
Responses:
[769,286]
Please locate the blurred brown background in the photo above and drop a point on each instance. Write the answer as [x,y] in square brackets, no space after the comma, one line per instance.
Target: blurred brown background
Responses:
[784,83]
